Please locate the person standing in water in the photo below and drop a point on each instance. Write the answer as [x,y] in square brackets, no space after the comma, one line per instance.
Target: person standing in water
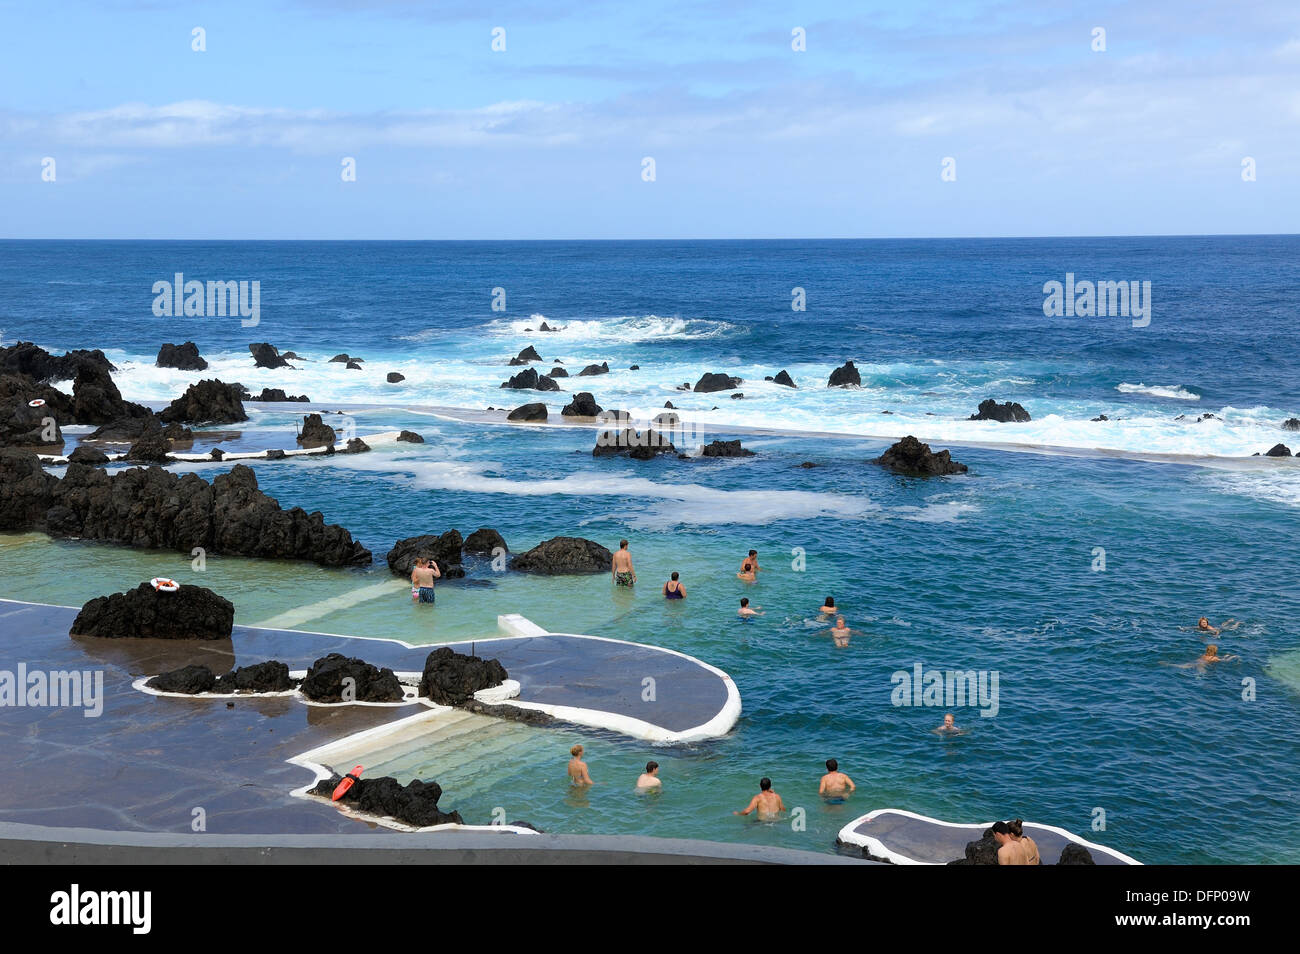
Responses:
[746,612]
[840,633]
[650,777]
[828,608]
[835,785]
[673,589]
[752,560]
[767,803]
[621,566]
[422,577]
[578,774]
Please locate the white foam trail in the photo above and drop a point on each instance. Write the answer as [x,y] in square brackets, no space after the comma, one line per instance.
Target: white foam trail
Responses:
[1279,486]
[1175,391]
[626,329]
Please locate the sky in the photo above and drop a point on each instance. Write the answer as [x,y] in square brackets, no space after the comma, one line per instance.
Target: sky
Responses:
[548,138]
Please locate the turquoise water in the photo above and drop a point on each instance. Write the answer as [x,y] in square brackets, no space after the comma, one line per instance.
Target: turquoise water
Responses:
[990,571]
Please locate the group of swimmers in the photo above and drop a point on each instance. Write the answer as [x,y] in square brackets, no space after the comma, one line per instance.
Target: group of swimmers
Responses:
[1211,654]
[623,573]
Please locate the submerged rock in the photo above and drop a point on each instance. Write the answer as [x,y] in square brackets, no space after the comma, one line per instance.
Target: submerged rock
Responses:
[394,377]
[192,612]
[1006,413]
[414,804]
[564,555]
[151,508]
[528,412]
[410,437]
[914,459]
[450,678]
[1291,424]
[207,402]
[638,445]
[783,378]
[184,357]
[589,370]
[845,376]
[335,676]
[445,549]
[716,381]
[277,394]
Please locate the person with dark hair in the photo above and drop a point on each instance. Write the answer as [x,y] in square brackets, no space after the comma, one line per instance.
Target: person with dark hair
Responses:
[750,563]
[835,786]
[650,777]
[1017,828]
[767,803]
[1010,851]
[828,607]
[746,612]
[673,589]
[621,566]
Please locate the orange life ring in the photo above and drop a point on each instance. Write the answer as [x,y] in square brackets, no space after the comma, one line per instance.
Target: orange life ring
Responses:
[348,781]
[36,402]
[164,585]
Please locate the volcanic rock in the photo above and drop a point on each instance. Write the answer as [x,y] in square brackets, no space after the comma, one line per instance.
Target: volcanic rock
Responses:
[528,412]
[484,541]
[602,368]
[564,555]
[582,405]
[92,456]
[208,402]
[914,459]
[1075,854]
[184,357]
[558,372]
[188,679]
[267,356]
[315,432]
[1291,424]
[277,394]
[27,359]
[1278,450]
[96,399]
[450,678]
[355,445]
[192,612]
[269,676]
[414,804]
[726,449]
[1005,413]
[712,381]
[845,376]
[410,437]
[395,377]
[339,678]
[444,549]
[530,380]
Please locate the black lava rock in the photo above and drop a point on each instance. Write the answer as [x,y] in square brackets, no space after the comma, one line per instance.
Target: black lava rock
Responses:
[914,459]
[328,681]
[192,612]
[184,357]
[450,678]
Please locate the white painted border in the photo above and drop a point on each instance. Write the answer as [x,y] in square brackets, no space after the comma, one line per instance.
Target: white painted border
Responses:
[851,837]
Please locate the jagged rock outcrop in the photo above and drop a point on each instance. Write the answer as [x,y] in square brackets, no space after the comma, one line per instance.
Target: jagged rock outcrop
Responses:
[528,354]
[277,394]
[638,445]
[192,612]
[93,456]
[339,678]
[22,425]
[591,369]
[414,804]
[716,381]
[726,449]
[151,508]
[783,378]
[38,364]
[96,399]
[981,852]
[1278,450]
[410,437]
[445,549]
[183,357]
[270,676]
[530,380]
[528,412]
[915,459]
[558,372]
[354,366]
[451,678]
[583,405]
[845,376]
[564,555]
[484,541]
[315,432]
[208,402]
[266,355]
[1008,412]
[190,680]
[1291,424]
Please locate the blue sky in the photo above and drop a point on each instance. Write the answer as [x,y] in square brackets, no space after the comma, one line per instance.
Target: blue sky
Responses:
[750,138]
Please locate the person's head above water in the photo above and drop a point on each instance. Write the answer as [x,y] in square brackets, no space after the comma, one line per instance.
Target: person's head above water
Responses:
[753,553]
[651,768]
[1203,623]
[744,601]
[622,544]
[675,574]
[830,601]
[576,751]
[765,784]
[948,720]
[832,765]
[839,622]
[1211,650]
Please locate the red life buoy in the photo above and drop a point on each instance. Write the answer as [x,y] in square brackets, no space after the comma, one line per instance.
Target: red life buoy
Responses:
[164,585]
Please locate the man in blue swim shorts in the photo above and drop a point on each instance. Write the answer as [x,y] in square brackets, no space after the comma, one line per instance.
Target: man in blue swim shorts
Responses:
[422,577]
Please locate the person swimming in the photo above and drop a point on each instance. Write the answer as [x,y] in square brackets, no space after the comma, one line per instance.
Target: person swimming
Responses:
[747,571]
[1027,844]
[1203,624]
[828,607]
[840,633]
[835,786]
[746,612]
[767,803]
[949,726]
[650,777]
[578,774]
[673,590]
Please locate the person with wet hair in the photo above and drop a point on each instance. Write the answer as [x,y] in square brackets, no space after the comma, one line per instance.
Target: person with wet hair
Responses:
[650,777]
[1010,851]
[767,803]
[1017,828]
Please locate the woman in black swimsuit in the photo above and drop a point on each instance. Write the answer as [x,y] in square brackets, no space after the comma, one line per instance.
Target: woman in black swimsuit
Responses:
[673,590]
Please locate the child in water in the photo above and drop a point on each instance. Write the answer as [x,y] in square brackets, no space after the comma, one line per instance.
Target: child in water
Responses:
[746,612]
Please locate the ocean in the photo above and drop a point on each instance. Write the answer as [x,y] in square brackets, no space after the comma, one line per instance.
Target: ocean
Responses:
[1072,560]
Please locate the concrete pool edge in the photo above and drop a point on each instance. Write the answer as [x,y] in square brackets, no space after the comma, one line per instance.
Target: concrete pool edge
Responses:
[37,844]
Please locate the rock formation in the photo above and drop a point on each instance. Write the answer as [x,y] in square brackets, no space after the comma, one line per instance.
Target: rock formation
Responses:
[563,555]
[192,612]
[914,459]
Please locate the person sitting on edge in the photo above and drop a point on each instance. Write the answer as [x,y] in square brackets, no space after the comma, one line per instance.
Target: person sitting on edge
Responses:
[578,773]
[422,577]
[767,802]
[835,784]
[1010,851]
[747,571]
[650,777]
[828,607]
[746,612]
[752,560]
[948,725]
[1026,843]
[673,590]
[621,567]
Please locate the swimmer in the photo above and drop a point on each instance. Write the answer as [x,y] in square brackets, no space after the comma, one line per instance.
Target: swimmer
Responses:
[828,607]
[621,566]
[422,577]
[673,589]
[949,726]
[835,785]
[1211,655]
[746,611]
[767,802]
[747,571]
[1026,843]
[752,560]
[1203,624]
[650,777]
[578,774]
[840,633]
[1010,852]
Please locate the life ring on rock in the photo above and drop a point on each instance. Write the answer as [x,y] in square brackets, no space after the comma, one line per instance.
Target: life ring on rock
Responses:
[164,585]
[348,781]
[36,402]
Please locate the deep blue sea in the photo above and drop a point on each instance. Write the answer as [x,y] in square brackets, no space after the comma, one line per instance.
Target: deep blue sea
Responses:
[998,570]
